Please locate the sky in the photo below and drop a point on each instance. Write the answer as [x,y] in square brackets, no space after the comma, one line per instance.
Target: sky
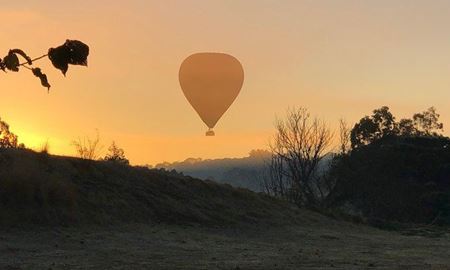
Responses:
[339,59]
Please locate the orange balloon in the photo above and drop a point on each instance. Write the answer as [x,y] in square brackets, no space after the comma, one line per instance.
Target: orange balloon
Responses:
[211,82]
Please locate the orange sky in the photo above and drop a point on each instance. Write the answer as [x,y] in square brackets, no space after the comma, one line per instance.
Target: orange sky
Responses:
[337,58]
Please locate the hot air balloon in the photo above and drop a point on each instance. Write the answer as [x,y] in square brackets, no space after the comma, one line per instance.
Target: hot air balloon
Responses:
[211,82]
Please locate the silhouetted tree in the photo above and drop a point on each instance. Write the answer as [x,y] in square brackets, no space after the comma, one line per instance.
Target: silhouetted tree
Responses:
[116,154]
[401,178]
[370,128]
[72,52]
[344,137]
[396,170]
[298,146]
[427,123]
[275,182]
[406,127]
[382,123]
[7,138]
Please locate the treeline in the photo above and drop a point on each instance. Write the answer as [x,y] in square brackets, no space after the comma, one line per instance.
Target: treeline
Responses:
[384,170]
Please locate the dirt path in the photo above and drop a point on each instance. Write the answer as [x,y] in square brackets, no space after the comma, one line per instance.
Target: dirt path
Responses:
[335,246]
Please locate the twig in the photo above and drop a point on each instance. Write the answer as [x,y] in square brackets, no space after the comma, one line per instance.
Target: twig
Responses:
[32,60]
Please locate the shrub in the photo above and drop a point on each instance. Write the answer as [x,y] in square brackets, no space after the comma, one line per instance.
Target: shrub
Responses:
[116,154]
[87,148]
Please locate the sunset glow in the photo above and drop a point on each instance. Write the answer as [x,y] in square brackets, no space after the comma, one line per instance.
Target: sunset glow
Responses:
[339,61]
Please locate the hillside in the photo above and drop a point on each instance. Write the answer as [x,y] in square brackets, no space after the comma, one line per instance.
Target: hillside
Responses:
[122,217]
[40,188]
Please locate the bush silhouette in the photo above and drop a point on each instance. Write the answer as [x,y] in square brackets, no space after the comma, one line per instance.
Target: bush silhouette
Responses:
[116,154]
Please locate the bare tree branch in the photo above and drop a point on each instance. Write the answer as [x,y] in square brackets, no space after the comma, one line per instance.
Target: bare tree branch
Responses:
[297,148]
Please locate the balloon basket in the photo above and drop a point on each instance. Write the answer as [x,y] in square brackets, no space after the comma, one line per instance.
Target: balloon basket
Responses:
[210,133]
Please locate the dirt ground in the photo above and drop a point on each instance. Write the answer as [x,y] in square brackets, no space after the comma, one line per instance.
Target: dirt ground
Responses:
[337,245]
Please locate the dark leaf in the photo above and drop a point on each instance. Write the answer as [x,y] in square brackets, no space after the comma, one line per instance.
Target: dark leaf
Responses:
[38,73]
[60,58]
[2,65]
[72,52]
[78,52]
[23,54]
[11,61]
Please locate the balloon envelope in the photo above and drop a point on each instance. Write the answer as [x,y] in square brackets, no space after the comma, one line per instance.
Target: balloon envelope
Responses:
[211,82]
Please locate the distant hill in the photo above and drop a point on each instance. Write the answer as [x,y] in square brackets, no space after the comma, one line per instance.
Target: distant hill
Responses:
[246,172]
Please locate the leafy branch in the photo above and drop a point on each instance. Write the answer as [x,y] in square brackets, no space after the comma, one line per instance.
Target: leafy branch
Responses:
[72,52]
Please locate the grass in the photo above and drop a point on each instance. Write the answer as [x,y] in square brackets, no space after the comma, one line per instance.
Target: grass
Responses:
[322,244]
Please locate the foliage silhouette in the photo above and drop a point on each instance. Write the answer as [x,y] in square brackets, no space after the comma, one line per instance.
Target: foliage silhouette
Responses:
[395,171]
[72,52]
[382,123]
[7,138]
[427,123]
[370,128]
[116,154]
[396,178]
